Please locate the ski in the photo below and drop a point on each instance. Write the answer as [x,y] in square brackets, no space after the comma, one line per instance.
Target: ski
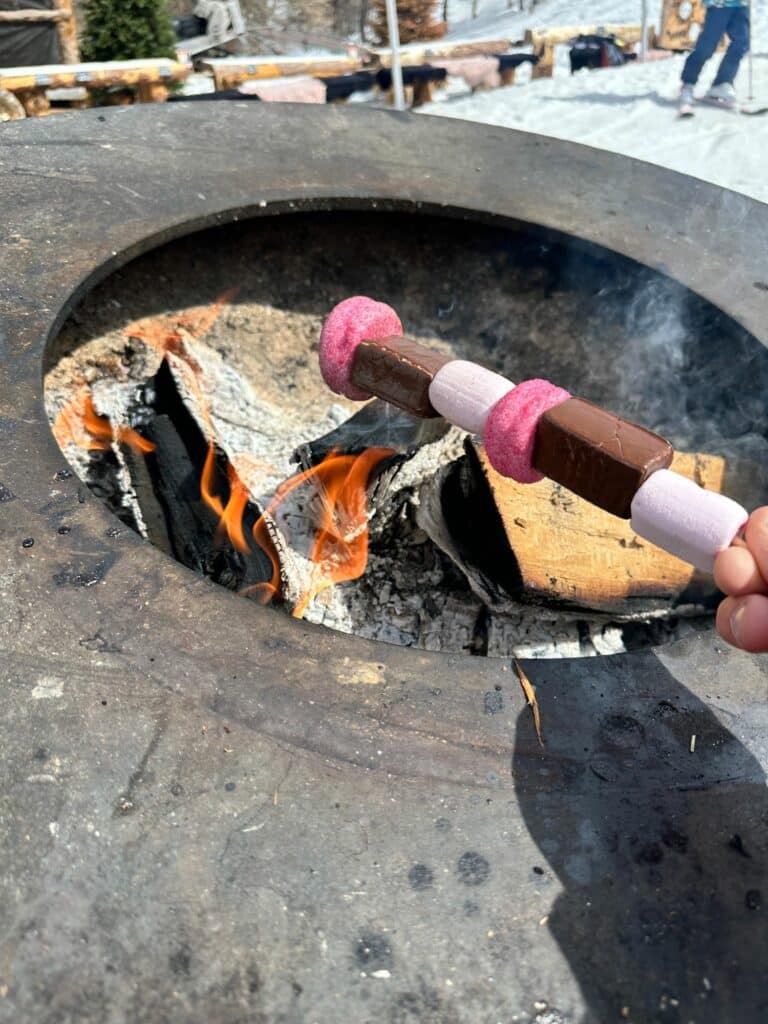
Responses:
[685,111]
[719,105]
[749,110]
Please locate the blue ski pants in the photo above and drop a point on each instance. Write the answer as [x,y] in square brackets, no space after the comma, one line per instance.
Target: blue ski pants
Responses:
[733,21]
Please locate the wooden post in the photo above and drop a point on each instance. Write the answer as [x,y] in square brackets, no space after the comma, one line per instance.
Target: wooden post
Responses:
[66,30]
[34,101]
[151,92]
[393,28]
[11,108]
[545,66]
[422,93]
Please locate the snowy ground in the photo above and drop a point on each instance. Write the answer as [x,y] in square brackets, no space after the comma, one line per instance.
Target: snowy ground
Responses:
[630,110]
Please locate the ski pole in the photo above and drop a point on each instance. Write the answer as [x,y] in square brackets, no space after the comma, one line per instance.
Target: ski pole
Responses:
[749,52]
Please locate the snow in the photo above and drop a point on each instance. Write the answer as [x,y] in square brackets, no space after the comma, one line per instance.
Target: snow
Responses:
[630,109]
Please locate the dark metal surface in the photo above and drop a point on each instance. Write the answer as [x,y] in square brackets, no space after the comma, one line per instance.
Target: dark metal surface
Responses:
[213,813]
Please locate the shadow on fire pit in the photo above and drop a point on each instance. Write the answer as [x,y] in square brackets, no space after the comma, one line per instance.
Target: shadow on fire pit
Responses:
[652,816]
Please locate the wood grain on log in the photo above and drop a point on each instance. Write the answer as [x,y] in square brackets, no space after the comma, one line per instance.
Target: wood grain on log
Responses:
[569,551]
[66,30]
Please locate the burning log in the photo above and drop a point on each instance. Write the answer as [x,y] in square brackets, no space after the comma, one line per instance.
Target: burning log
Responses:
[175,469]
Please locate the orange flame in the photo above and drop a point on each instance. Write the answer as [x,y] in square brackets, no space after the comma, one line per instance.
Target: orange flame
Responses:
[340,548]
[231,514]
[339,522]
[78,423]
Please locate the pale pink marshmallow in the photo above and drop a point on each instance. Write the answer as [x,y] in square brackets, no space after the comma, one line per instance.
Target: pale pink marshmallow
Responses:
[464,393]
[301,89]
[689,522]
[477,72]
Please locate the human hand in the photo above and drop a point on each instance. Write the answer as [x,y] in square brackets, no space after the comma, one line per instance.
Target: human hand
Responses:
[741,572]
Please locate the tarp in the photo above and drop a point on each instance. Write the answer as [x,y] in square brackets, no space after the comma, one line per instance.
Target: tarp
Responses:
[28,43]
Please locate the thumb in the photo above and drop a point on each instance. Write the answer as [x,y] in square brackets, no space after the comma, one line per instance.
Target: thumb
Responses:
[743,622]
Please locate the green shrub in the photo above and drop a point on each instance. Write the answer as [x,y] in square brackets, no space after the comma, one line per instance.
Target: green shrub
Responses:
[127,30]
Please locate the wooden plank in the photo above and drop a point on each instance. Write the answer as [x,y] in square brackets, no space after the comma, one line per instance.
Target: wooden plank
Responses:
[67,32]
[563,34]
[229,72]
[680,25]
[570,551]
[422,53]
[28,16]
[93,75]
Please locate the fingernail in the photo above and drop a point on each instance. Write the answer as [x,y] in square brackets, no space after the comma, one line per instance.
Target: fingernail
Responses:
[736,620]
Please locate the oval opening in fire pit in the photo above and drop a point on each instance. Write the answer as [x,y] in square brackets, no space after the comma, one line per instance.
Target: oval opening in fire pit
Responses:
[185,391]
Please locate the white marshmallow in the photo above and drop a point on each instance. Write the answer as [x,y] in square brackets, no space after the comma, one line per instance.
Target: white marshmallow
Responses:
[689,522]
[464,393]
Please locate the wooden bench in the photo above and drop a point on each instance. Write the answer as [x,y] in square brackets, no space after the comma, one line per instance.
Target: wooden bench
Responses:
[229,72]
[544,40]
[151,79]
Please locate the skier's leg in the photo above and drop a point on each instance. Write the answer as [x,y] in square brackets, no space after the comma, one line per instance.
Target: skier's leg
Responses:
[738,32]
[715,24]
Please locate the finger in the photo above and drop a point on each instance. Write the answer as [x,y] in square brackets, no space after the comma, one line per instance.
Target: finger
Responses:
[756,536]
[737,574]
[723,620]
[743,621]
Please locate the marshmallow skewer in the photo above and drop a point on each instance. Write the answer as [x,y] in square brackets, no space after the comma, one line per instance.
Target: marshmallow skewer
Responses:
[531,430]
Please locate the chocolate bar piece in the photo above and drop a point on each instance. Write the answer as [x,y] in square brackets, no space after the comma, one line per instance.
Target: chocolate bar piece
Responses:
[597,455]
[399,370]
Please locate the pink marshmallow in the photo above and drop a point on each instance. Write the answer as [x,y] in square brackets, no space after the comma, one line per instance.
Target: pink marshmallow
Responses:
[510,430]
[677,515]
[350,322]
[301,89]
[464,393]
[477,72]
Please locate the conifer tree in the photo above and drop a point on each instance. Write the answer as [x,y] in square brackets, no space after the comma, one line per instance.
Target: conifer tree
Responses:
[127,30]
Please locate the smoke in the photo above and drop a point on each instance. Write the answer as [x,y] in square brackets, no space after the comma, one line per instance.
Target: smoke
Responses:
[690,373]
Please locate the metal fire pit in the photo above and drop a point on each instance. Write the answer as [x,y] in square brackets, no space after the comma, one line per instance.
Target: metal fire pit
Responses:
[213,813]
